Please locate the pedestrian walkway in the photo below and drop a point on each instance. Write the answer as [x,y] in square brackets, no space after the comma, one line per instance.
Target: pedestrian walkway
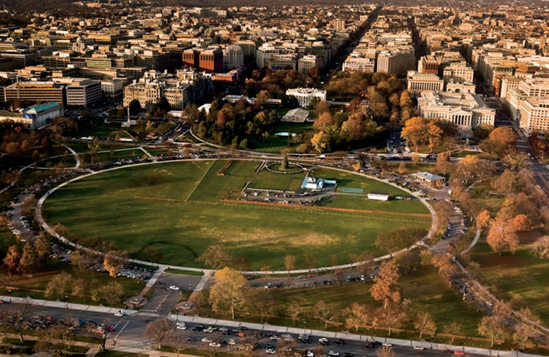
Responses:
[66,305]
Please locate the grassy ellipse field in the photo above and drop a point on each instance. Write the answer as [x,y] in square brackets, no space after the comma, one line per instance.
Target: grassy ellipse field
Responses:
[178,207]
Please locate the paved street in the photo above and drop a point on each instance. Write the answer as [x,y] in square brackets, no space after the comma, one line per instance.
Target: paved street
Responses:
[130,334]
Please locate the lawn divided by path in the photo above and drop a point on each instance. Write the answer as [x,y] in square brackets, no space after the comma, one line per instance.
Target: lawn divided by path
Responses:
[177,208]
[520,276]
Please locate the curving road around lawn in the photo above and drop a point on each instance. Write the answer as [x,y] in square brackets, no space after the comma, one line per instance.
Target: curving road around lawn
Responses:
[49,229]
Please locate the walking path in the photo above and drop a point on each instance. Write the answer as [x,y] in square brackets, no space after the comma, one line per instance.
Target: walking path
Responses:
[75,154]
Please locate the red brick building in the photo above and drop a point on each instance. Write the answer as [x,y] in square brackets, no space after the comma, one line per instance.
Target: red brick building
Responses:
[211,61]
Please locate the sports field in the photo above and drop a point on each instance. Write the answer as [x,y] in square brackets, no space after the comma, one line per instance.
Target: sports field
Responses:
[177,207]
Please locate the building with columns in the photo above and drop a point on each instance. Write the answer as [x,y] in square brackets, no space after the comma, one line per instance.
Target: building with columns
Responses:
[305,95]
[466,110]
[419,82]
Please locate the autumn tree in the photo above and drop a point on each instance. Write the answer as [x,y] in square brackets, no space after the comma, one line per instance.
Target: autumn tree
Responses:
[391,318]
[59,284]
[357,316]
[12,258]
[445,266]
[325,313]
[43,247]
[522,223]
[215,257]
[524,336]
[502,233]
[443,162]
[323,122]
[492,328]
[111,292]
[424,323]
[453,329]
[500,142]
[29,259]
[229,291]
[159,330]
[434,134]
[386,287]
[415,131]
[467,169]
[113,261]
[289,262]
[293,311]
[483,219]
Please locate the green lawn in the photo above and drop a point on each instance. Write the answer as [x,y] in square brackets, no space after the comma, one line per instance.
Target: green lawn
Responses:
[350,180]
[102,131]
[274,145]
[425,289]
[269,180]
[35,286]
[177,208]
[363,203]
[516,276]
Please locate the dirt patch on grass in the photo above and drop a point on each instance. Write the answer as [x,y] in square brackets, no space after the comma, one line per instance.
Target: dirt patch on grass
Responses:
[507,261]
[275,239]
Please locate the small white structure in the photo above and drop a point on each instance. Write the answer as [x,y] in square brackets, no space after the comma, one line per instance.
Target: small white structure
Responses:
[305,95]
[205,107]
[429,177]
[378,196]
[297,115]
[312,183]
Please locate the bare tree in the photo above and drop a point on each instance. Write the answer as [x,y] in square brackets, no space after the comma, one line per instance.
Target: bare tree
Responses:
[293,311]
[424,323]
[325,313]
[215,257]
[385,351]
[338,276]
[159,330]
[56,340]
[262,303]
[310,260]
[454,329]
[492,328]
[178,341]
[20,313]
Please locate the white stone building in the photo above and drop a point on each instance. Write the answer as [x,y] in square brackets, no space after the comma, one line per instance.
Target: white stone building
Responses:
[305,95]
[466,110]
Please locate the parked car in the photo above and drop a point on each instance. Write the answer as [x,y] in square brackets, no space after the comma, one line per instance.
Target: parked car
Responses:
[323,341]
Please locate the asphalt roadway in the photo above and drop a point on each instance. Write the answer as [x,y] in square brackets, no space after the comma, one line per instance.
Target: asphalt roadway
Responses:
[130,333]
